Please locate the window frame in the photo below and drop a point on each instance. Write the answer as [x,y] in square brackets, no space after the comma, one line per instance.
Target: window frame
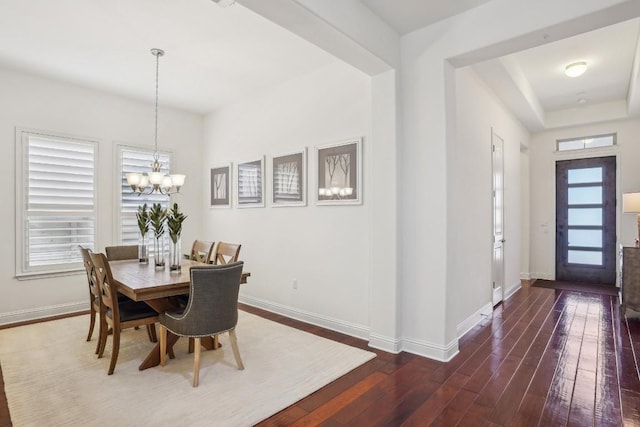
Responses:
[614,143]
[22,270]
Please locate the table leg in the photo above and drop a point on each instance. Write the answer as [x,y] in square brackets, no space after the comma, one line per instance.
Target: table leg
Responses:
[211,343]
[153,358]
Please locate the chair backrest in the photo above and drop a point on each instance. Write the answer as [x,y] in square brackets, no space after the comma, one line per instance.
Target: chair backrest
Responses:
[117,253]
[201,251]
[94,288]
[108,288]
[226,253]
[213,299]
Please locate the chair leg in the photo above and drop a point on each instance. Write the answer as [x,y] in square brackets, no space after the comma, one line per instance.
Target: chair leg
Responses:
[151,331]
[101,335]
[196,362]
[190,345]
[163,345]
[92,322]
[104,332]
[116,349]
[216,342]
[234,347]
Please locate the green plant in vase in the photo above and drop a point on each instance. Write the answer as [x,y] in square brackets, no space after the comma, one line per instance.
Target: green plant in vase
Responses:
[175,218]
[157,218]
[142,215]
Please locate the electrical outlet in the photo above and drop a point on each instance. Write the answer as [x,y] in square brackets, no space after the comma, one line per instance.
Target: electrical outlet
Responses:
[295,283]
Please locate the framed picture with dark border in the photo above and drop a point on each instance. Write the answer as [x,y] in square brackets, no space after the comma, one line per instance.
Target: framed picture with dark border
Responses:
[289,179]
[339,179]
[250,183]
[221,186]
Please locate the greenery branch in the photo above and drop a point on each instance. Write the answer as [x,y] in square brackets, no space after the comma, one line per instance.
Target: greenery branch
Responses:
[143,219]
[175,218]
[157,217]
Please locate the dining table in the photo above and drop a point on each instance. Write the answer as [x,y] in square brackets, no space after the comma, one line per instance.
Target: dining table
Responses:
[158,288]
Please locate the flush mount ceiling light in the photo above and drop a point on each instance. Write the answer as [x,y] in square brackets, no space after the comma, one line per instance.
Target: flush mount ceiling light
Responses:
[575,69]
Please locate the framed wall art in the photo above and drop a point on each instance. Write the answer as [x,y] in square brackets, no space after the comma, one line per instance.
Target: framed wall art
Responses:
[221,186]
[339,179]
[289,179]
[250,183]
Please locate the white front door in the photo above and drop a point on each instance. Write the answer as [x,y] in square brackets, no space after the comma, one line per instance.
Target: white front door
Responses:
[497,162]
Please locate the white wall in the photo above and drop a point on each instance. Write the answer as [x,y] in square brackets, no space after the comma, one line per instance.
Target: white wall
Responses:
[470,193]
[326,248]
[36,103]
[543,158]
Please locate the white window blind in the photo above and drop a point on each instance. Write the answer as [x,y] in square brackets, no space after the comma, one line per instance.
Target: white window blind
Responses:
[57,195]
[137,160]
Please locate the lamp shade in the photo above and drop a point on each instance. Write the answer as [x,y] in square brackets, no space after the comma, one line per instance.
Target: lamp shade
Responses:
[631,203]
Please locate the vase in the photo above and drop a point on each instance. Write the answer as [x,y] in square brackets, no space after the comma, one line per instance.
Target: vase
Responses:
[143,249]
[175,255]
[159,252]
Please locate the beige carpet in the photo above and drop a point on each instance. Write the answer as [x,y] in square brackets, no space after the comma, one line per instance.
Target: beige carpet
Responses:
[53,378]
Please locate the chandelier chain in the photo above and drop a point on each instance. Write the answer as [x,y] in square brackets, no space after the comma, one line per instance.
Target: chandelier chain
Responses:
[156,154]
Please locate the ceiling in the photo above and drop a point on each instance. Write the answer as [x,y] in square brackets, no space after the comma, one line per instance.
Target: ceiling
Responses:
[217,55]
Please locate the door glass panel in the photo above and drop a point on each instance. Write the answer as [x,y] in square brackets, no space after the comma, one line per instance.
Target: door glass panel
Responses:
[581,176]
[585,195]
[585,216]
[585,257]
[586,238]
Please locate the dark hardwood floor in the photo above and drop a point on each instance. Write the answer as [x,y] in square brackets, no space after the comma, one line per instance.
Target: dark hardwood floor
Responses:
[545,358]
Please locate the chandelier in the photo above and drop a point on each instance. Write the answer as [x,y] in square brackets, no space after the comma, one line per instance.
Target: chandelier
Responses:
[160,183]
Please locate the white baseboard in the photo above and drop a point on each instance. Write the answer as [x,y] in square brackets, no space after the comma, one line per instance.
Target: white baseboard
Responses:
[388,344]
[430,350]
[42,312]
[525,276]
[512,290]
[471,321]
[347,328]
[544,276]
[385,343]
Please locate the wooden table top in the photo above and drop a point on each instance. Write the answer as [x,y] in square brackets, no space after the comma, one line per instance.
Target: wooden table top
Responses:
[142,282]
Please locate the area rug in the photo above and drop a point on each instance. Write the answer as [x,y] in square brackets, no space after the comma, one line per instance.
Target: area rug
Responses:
[577,287]
[52,376]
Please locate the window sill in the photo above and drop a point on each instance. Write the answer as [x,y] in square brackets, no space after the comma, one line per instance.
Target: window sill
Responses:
[49,274]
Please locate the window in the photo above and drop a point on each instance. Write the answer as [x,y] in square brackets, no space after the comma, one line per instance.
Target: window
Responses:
[56,200]
[137,160]
[586,142]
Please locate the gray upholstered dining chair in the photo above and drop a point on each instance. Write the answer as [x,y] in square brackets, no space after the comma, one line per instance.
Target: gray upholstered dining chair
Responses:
[118,253]
[212,309]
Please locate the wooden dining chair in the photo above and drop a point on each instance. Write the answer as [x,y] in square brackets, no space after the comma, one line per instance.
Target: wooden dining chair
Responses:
[122,253]
[117,315]
[201,251]
[212,309]
[226,253]
[119,253]
[94,293]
